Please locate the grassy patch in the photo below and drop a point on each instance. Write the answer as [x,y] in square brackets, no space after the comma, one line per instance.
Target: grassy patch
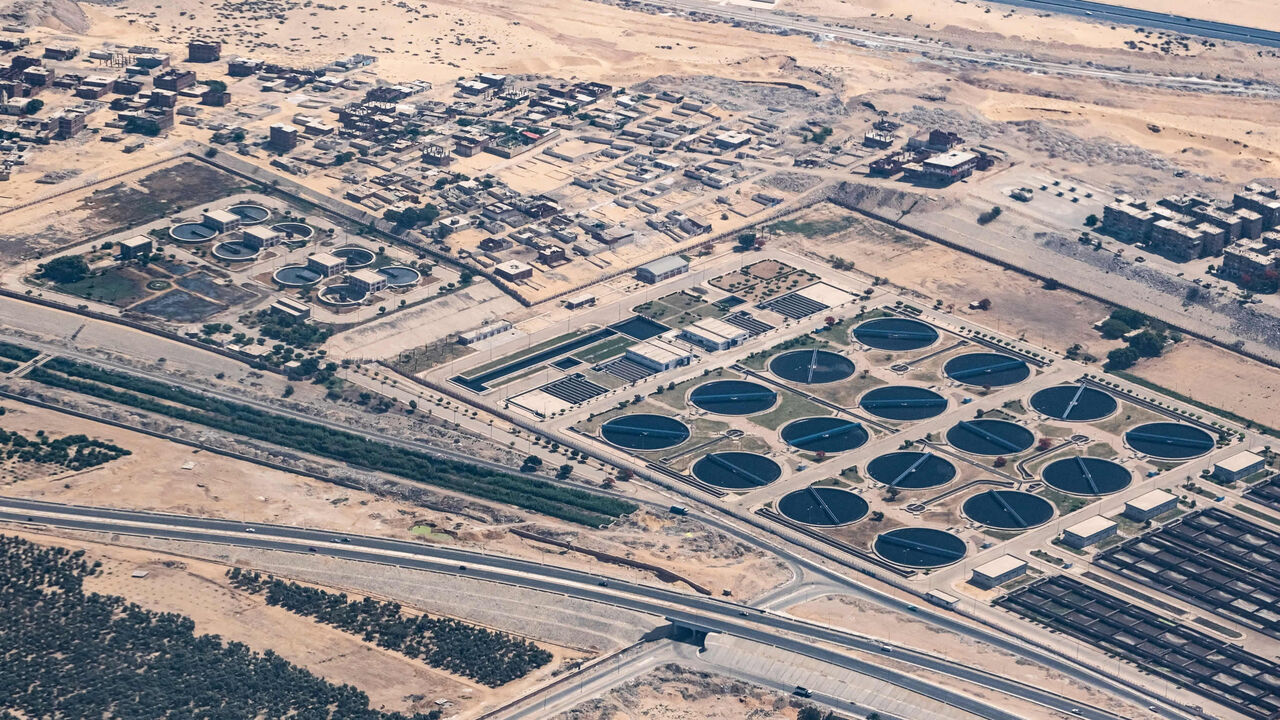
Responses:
[812,228]
[505,359]
[604,349]
[1100,450]
[1257,513]
[117,286]
[424,358]
[791,407]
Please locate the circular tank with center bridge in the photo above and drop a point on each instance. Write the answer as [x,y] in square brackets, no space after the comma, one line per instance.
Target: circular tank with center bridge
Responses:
[920,547]
[249,214]
[356,256]
[641,431]
[990,437]
[903,402]
[1008,509]
[192,233]
[1169,440]
[296,276]
[811,367]
[824,434]
[993,369]
[733,397]
[1074,403]
[895,334]
[823,506]
[1086,476]
[910,470]
[736,470]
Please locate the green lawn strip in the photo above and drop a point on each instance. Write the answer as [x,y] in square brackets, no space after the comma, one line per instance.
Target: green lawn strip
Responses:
[1196,403]
[1257,513]
[112,287]
[506,359]
[604,349]
[790,407]
[556,501]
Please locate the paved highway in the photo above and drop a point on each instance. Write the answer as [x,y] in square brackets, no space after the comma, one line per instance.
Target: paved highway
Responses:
[1148,19]
[715,614]
[931,48]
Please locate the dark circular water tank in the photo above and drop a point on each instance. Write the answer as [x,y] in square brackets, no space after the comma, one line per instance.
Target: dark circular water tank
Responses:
[343,294]
[824,434]
[992,369]
[1086,476]
[644,432]
[192,233]
[918,547]
[911,470]
[294,230]
[895,334]
[1008,509]
[811,366]
[1074,403]
[736,470]
[296,276]
[250,214]
[733,397]
[1169,440]
[399,275]
[356,257]
[234,251]
[990,437]
[903,402]
[824,506]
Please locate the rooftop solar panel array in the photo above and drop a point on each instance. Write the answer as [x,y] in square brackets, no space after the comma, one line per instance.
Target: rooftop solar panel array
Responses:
[743,320]
[626,369]
[794,306]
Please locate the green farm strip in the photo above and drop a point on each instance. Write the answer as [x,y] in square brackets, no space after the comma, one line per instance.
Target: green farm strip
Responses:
[535,495]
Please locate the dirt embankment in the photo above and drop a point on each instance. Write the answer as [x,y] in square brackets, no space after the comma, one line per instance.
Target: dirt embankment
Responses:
[56,14]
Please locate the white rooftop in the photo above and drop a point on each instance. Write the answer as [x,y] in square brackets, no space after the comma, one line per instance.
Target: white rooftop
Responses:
[367,276]
[327,259]
[1092,526]
[1239,461]
[1000,566]
[1151,500]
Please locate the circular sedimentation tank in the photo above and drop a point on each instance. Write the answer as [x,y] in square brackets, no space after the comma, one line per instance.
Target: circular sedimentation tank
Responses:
[990,437]
[1086,476]
[644,432]
[192,233]
[294,230]
[1008,509]
[356,257]
[895,334]
[823,506]
[249,214]
[400,275]
[903,402]
[296,276]
[234,251]
[733,397]
[909,470]
[736,470]
[811,367]
[1169,440]
[341,295]
[1074,403]
[994,369]
[921,548]
[824,434]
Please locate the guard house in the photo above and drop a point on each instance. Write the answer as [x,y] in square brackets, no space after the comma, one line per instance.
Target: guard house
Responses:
[513,270]
[658,355]
[221,220]
[327,264]
[998,572]
[578,301]
[484,332]
[1153,504]
[714,334]
[136,247]
[367,281]
[259,237]
[1238,467]
[662,269]
[1091,531]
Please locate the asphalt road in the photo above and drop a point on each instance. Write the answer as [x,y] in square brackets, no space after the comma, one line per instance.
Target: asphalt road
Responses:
[711,613]
[1148,19]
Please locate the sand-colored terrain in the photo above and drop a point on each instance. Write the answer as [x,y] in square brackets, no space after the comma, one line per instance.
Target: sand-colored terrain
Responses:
[671,692]
[1217,378]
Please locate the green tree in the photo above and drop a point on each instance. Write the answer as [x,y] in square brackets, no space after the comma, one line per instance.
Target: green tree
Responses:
[66,269]
[1148,343]
[1112,329]
[1121,358]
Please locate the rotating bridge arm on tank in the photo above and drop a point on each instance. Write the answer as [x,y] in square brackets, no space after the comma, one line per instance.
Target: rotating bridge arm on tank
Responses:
[1008,508]
[1088,476]
[923,459]
[840,430]
[823,504]
[991,437]
[986,369]
[1170,440]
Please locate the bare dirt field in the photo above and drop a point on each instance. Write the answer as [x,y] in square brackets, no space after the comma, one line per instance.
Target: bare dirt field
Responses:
[671,692]
[1217,378]
[1020,307]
